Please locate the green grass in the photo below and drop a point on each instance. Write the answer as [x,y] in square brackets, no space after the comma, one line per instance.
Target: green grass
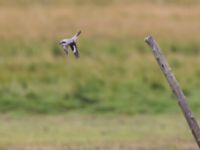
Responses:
[75,131]
[110,77]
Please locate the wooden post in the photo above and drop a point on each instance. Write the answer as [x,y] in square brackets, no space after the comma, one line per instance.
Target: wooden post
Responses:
[162,62]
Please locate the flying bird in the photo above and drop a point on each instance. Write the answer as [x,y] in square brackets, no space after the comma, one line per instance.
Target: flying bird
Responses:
[72,43]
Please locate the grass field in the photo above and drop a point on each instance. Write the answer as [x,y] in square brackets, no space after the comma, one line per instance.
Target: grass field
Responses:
[116,84]
[108,132]
[116,68]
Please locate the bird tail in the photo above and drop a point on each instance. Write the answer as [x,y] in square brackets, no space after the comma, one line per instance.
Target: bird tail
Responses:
[76,35]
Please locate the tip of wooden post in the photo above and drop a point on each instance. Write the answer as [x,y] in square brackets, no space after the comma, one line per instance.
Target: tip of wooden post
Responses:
[146,39]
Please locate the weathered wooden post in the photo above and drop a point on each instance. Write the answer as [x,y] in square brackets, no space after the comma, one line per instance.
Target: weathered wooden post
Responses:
[164,66]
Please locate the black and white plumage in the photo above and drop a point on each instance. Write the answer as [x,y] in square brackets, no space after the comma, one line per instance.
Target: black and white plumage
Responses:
[72,43]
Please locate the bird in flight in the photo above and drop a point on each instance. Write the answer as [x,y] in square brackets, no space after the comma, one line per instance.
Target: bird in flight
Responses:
[72,43]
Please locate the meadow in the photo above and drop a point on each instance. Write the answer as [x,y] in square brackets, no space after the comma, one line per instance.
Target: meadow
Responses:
[115,77]
[94,132]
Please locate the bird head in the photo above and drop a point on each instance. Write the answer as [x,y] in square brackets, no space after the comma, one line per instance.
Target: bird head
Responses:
[62,42]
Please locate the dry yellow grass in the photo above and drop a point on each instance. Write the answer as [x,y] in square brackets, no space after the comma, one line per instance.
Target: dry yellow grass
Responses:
[113,20]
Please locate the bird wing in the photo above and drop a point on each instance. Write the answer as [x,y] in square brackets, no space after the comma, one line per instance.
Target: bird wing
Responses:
[74,49]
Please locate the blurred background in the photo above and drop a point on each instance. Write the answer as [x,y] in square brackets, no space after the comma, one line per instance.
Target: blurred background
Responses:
[114,97]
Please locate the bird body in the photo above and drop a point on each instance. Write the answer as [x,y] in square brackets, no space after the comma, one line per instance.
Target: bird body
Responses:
[72,43]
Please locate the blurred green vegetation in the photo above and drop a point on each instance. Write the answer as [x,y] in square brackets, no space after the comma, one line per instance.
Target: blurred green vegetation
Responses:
[111,76]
